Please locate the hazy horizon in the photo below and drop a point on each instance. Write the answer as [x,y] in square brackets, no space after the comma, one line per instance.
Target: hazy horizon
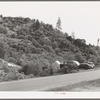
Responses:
[82,18]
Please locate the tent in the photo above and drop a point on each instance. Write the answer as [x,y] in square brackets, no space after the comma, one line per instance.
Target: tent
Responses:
[55,66]
[12,65]
[76,62]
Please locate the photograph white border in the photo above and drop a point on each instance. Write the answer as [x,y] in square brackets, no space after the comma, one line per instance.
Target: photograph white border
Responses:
[49,95]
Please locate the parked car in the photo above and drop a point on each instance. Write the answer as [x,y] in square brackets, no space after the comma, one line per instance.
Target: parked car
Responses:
[88,65]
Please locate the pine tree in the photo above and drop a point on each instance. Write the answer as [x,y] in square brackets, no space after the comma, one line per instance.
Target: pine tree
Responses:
[98,42]
[73,35]
[58,24]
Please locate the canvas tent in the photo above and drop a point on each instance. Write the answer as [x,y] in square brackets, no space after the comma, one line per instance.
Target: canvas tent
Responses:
[55,66]
[76,62]
[12,65]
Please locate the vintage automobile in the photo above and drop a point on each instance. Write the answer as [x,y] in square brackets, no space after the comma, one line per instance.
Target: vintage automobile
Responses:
[87,65]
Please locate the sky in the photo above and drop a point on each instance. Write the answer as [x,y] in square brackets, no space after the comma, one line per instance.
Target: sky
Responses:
[82,18]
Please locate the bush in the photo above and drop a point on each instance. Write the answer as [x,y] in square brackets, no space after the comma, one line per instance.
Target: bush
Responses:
[69,68]
[98,61]
[48,48]
[2,74]
[2,50]
[80,58]
[29,76]
[31,67]
[11,34]
[3,29]
[45,72]
[36,67]
[93,59]
[12,75]
[69,56]
[5,67]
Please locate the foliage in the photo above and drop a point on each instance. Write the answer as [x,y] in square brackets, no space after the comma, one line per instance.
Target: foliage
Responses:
[35,45]
[3,29]
[13,75]
[80,58]
[69,68]
[40,67]
[2,50]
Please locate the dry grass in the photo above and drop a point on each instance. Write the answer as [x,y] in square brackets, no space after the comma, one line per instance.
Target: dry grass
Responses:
[86,84]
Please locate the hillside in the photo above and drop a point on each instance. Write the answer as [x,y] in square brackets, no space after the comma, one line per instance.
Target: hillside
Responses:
[35,45]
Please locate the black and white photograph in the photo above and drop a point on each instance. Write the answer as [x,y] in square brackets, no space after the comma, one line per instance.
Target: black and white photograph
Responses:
[48,46]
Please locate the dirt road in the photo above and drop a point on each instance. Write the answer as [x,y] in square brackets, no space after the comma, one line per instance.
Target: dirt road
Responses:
[43,83]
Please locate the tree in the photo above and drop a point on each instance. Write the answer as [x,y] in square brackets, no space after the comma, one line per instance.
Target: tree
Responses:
[66,35]
[54,45]
[98,42]
[73,35]
[1,21]
[36,25]
[3,29]
[58,24]
[2,50]
[79,57]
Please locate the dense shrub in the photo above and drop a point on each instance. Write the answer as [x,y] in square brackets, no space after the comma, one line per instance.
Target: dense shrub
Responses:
[35,46]
[29,76]
[93,59]
[2,49]
[2,75]
[80,58]
[31,68]
[69,68]
[11,34]
[12,75]
[98,61]
[46,72]
[39,67]
[3,29]
[48,48]
[5,67]
[68,56]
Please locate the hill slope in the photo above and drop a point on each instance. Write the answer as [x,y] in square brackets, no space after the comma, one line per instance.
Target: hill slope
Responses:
[35,45]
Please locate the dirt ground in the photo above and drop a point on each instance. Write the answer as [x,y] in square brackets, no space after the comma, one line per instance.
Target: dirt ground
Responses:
[86,86]
[86,89]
